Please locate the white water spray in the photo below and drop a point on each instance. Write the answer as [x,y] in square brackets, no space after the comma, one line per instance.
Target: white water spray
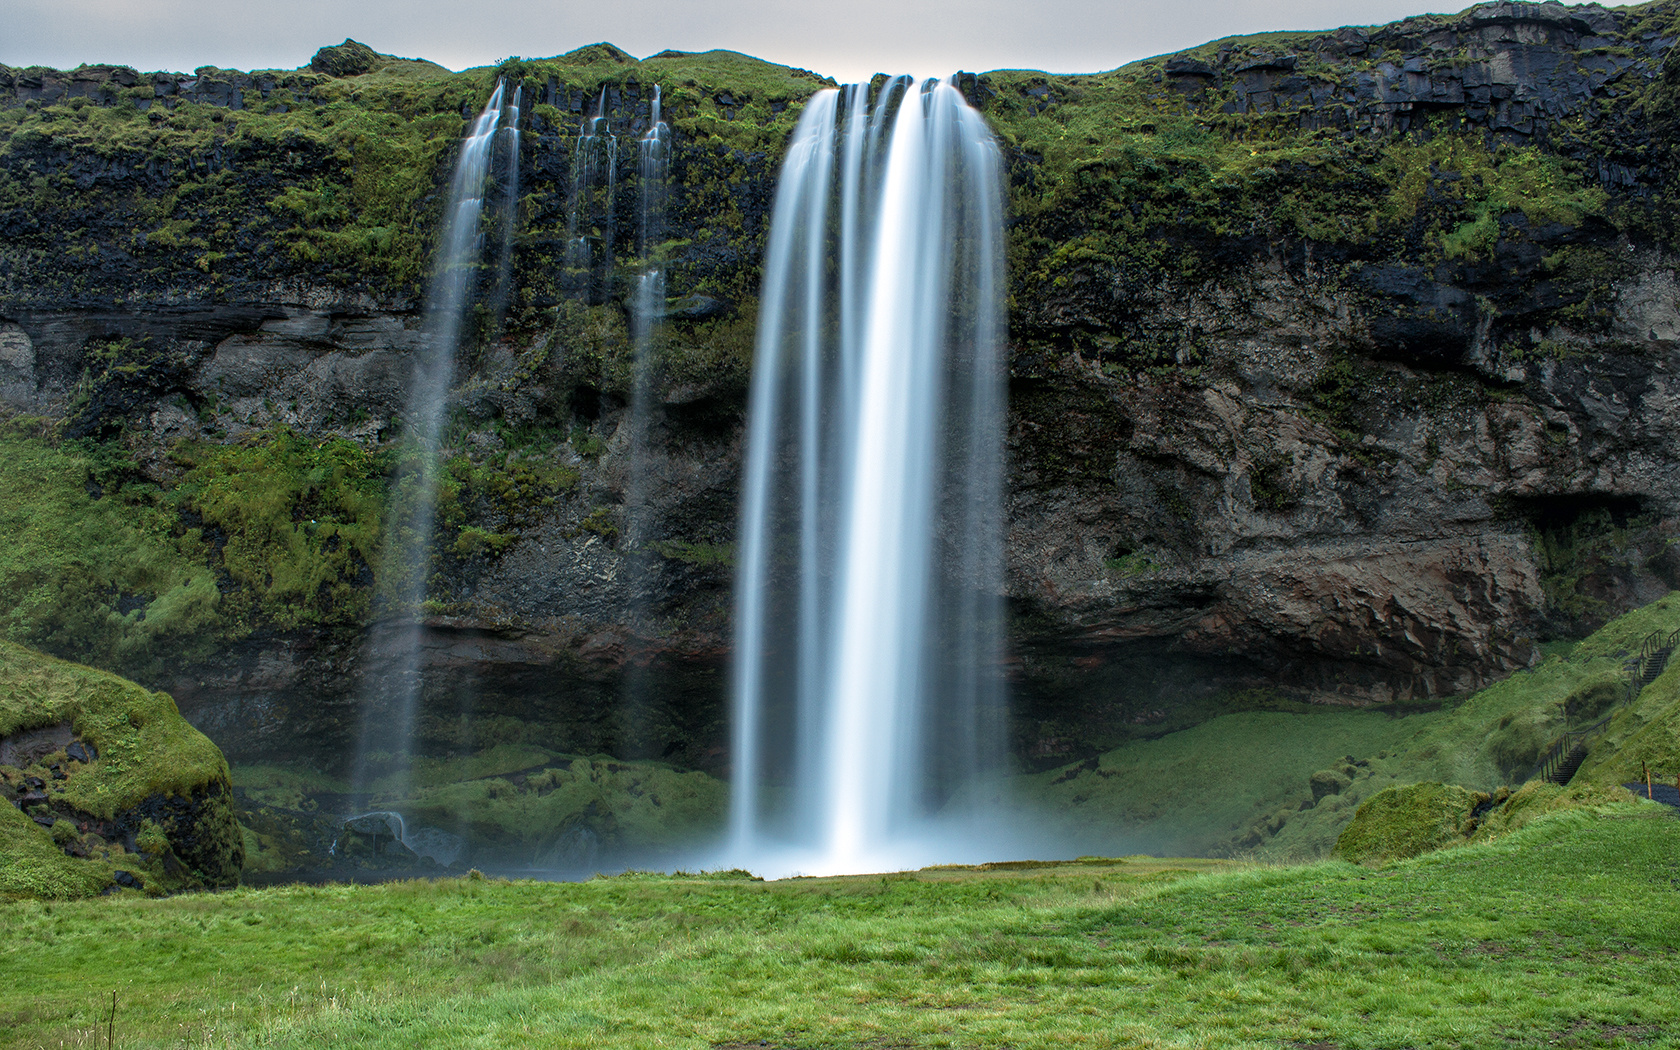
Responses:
[594,189]
[646,308]
[388,718]
[867,686]
[509,132]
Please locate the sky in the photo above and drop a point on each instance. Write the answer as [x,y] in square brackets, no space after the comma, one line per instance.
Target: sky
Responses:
[846,41]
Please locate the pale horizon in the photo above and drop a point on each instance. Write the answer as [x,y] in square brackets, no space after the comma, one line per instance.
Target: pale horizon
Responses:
[846,43]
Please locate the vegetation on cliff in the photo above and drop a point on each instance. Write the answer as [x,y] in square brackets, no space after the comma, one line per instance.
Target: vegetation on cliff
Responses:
[97,566]
[1286,783]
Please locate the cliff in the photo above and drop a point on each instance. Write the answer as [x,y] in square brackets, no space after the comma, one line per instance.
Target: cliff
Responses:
[1340,368]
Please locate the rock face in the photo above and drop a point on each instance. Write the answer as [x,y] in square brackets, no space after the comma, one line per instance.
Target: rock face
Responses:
[1342,366]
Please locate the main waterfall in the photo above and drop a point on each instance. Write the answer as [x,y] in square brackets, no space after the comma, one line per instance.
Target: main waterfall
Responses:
[868,693]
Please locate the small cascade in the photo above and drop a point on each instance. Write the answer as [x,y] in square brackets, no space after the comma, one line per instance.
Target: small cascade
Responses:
[868,691]
[594,192]
[389,711]
[647,310]
[509,205]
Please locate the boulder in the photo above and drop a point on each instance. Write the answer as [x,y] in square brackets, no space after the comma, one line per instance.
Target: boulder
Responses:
[348,59]
[131,783]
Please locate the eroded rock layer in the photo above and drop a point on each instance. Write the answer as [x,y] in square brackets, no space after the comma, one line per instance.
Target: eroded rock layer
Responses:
[1342,365]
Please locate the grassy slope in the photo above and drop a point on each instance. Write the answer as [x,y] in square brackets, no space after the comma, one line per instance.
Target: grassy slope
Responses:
[1202,790]
[1645,737]
[1563,929]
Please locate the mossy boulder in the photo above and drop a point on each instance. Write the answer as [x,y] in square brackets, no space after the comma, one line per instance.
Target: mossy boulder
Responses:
[1401,822]
[108,786]
[348,59]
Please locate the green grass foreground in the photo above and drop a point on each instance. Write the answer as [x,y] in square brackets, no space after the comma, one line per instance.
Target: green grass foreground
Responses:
[1564,932]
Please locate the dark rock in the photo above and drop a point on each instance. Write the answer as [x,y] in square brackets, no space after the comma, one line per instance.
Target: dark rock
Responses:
[77,751]
[1189,67]
[348,59]
[46,820]
[127,880]
[32,745]
[1280,63]
[698,308]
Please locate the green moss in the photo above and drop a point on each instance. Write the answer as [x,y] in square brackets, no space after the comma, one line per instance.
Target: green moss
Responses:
[145,747]
[602,521]
[1402,822]
[94,568]
[1132,563]
[36,867]
[144,752]
[299,524]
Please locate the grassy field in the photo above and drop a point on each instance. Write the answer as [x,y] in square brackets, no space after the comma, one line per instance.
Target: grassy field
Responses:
[1243,782]
[1563,933]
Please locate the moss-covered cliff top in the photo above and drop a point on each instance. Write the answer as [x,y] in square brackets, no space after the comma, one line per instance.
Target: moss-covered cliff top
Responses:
[220,180]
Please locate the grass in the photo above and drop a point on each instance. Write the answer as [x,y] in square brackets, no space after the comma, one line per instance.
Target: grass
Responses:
[1244,781]
[1561,933]
[94,567]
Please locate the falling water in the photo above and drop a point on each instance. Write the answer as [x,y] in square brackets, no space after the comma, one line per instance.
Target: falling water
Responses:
[594,189]
[509,205]
[388,721]
[646,310]
[867,688]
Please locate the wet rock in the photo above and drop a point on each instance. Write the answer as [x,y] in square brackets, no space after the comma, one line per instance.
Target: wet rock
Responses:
[31,745]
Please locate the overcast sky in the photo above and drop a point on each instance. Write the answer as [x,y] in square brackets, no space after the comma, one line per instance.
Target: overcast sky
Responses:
[844,40]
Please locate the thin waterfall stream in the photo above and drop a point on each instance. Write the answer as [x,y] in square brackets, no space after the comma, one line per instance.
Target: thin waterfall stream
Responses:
[646,312]
[868,690]
[391,707]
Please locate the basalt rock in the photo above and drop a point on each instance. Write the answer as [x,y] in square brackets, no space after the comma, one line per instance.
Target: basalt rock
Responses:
[1344,367]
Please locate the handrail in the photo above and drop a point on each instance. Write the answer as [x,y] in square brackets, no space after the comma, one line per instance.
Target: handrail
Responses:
[1653,657]
[1564,746]
[1654,651]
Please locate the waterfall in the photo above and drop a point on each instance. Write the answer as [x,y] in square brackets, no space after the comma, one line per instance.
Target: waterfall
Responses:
[509,206]
[646,309]
[594,174]
[868,694]
[388,718]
